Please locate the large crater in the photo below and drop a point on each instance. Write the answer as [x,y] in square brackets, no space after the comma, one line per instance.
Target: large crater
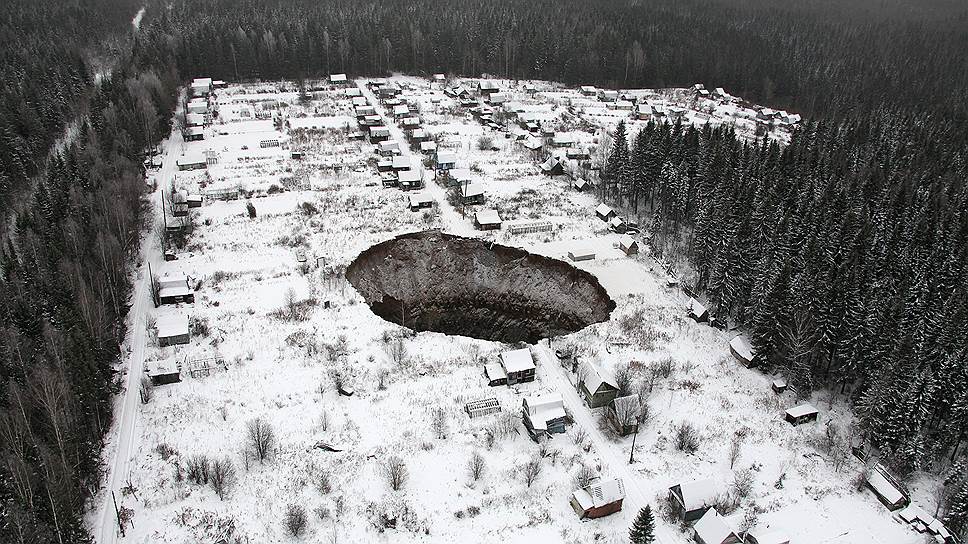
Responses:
[430,281]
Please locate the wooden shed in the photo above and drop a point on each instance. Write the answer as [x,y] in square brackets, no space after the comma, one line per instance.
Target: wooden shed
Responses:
[801,414]
[699,313]
[599,499]
[581,254]
[487,220]
[713,529]
[690,500]
[173,330]
[887,488]
[163,372]
[740,347]
[628,245]
[495,374]
[544,415]
[597,388]
[174,288]
[604,212]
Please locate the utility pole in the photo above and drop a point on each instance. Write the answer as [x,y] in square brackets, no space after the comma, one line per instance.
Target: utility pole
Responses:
[632,451]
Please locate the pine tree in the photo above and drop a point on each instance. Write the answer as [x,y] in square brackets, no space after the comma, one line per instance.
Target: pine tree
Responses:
[643,528]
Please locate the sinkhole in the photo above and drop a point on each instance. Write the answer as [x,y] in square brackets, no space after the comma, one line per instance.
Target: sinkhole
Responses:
[431,281]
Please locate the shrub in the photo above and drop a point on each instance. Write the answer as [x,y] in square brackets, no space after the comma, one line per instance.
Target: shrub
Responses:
[484,143]
[197,469]
[395,472]
[199,326]
[686,437]
[323,484]
[530,470]
[295,519]
[584,476]
[165,450]
[260,438]
[222,476]
[476,466]
[250,208]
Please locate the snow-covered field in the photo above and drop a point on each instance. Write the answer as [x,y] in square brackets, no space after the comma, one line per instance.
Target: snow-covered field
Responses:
[271,303]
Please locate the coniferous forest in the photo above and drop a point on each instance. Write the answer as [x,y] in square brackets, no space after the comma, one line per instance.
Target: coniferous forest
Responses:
[845,254]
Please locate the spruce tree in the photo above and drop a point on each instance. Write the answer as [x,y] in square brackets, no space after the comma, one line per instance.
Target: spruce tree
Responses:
[643,528]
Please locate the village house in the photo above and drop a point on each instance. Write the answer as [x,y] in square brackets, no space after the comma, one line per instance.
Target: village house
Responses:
[597,388]
[388,148]
[487,220]
[713,529]
[495,374]
[804,413]
[178,203]
[173,330]
[353,92]
[338,79]
[628,245]
[690,500]
[518,366]
[410,179]
[194,201]
[410,122]
[588,90]
[740,348]
[496,99]
[379,134]
[459,176]
[886,488]
[194,161]
[194,119]
[624,414]
[198,105]
[599,499]
[173,288]
[581,184]
[606,95]
[201,86]
[617,224]
[581,253]
[544,415]
[428,147]
[486,87]
[604,212]
[418,201]
[446,160]
[401,111]
[472,193]
[193,134]
[552,167]
[163,372]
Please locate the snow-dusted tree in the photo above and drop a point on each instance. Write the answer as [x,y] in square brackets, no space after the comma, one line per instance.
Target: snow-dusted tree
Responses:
[643,527]
[476,466]
[530,470]
[395,471]
[260,437]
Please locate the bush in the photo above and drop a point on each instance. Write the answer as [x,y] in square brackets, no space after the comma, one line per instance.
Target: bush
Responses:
[197,469]
[199,326]
[323,485]
[584,476]
[260,438]
[165,450]
[686,437]
[476,466]
[250,208]
[295,520]
[222,476]
[395,472]
[484,143]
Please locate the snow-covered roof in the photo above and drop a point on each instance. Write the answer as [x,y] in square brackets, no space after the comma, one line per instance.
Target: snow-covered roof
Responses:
[769,536]
[544,408]
[365,109]
[337,78]
[580,183]
[159,368]
[549,164]
[408,176]
[587,88]
[389,145]
[628,404]
[379,130]
[742,347]
[410,121]
[603,210]
[460,174]
[487,217]
[532,143]
[698,493]
[359,101]
[517,360]
[594,377]
[563,138]
[172,325]
[801,410]
[625,241]
[419,198]
[419,133]
[616,222]
[446,157]
[712,528]
[487,84]
[191,158]
[884,487]
[402,109]
[582,252]
[600,493]
[438,77]
[353,91]
[493,371]
[428,146]
[696,308]
[402,162]
[474,188]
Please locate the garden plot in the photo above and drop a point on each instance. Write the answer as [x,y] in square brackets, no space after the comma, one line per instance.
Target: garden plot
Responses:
[304,357]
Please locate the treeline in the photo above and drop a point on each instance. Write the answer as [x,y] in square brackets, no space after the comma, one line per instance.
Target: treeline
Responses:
[66,252]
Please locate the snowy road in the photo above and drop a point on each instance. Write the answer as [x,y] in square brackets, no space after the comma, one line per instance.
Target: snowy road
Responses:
[105,527]
[452,220]
[615,460]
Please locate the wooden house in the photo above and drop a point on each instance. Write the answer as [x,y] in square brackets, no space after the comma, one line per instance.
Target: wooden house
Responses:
[400,111]
[588,90]
[604,212]
[173,330]
[886,488]
[552,167]
[445,160]
[766,536]
[194,201]
[388,148]
[741,350]
[174,288]
[617,224]
[409,179]
[599,499]
[804,413]
[201,86]
[418,201]
[606,95]
[428,147]
[778,385]
[459,176]
[163,372]
[379,134]
[472,193]
[581,184]
[518,366]
[192,162]
[487,220]
[624,413]
[628,245]
[198,105]
[487,87]
[690,500]
[495,374]
[698,312]
[713,529]
[338,79]
[544,415]
[597,388]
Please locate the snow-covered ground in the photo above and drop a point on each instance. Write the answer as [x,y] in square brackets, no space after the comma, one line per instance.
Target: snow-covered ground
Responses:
[272,305]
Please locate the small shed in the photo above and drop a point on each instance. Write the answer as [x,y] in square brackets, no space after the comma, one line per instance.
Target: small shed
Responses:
[588,90]
[552,167]
[483,407]
[689,501]
[604,212]
[617,224]
[887,489]
[544,415]
[194,201]
[487,86]
[388,148]
[599,499]
[597,388]
[472,193]
[739,346]
[379,133]
[173,330]
[628,245]
[518,365]
[401,162]
[624,413]
[779,385]
[581,254]
[192,162]
[409,179]
[487,220]
[353,92]
[803,413]
[495,374]
[698,312]
[338,79]
[400,111]
[174,288]
[581,184]
[713,529]
[163,372]
[418,201]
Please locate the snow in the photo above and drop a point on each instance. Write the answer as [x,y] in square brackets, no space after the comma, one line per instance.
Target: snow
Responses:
[172,325]
[600,493]
[699,493]
[544,408]
[801,410]
[487,217]
[518,360]
[742,347]
[712,528]
[884,487]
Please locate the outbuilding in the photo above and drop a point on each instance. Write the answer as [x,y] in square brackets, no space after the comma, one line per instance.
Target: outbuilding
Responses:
[446,160]
[418,201]
[173,330]
[194,161]
[409,179]
[698,312]
[599,499]
[597,388]
[472,193]
[163,372]
[487,220]
[174,288]
[713,529]
[581,184]
[338,79]
[886,488]
[804,413]
[379,133]
[604,212]
[495,374]
[487,87]
[482,407]
[628,245]
[624,413]
[552,167]
[518,366]
[740,347]
[544,415]
[689,501]
[581,254]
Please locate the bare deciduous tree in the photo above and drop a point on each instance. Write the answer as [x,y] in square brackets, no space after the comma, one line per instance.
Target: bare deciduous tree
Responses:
[584,476]
[438,422]
[530,470]
[476,466]
[222,476]
[623,379]
[295,519]
[735,447]
[395,471]
[260,437]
